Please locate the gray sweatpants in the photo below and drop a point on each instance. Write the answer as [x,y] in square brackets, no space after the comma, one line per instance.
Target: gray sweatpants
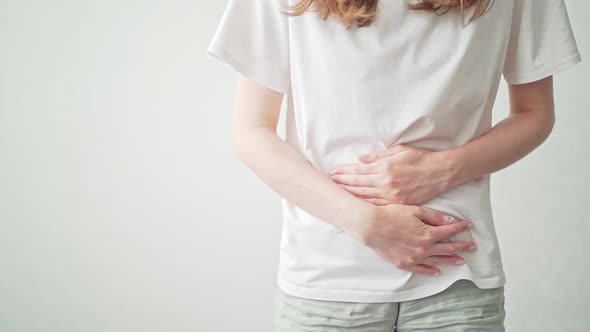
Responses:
[459,308]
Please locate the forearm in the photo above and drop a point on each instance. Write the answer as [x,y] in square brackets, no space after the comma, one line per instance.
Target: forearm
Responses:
[507,142]
[291,176]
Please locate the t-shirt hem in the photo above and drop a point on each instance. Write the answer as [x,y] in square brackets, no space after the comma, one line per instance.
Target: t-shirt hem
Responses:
[245,69]
[543,72]
[344,295]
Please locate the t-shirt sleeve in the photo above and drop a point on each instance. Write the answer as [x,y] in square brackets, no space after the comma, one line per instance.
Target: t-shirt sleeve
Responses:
[253,38]
[541,41]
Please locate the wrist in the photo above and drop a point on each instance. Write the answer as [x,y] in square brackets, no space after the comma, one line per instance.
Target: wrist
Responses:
[453,161]
[362,213]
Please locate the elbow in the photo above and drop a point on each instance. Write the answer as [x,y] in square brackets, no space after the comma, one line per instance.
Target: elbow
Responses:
[550,122]
[550,126]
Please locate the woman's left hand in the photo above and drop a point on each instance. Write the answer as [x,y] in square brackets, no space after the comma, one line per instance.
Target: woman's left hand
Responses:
[400,174]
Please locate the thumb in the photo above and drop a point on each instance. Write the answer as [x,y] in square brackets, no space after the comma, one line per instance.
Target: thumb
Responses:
[395,148]
[390,151]
[368,158]
[435,218]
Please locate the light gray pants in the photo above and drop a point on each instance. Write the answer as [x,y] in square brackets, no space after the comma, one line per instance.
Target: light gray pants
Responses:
[459,308]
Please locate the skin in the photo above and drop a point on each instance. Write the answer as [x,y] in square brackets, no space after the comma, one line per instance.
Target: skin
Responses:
[407,175]
[403,234]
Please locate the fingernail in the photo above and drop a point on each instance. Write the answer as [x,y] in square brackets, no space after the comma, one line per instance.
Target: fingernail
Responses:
[470,225]
[459,261]
[472,248]
[436,273]
[448,219]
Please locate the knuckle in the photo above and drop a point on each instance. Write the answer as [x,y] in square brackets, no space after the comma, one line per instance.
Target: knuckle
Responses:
[388,180]
[429,235]
[459,248]
[387,163]
[445,250]
[405,262]
[421,251]
[398,264]
[382,167]
[453,249]
[394,179]
[403,199]
[393,197]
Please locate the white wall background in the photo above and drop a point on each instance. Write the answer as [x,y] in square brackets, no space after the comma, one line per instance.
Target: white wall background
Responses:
[123,208]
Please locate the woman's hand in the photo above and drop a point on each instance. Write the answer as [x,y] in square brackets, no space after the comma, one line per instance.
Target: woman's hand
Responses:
[409,236]
[400,174]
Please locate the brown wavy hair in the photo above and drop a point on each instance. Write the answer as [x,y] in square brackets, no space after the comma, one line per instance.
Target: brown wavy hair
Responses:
[361,13]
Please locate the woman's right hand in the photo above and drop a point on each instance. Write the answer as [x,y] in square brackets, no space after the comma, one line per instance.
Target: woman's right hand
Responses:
[408,237]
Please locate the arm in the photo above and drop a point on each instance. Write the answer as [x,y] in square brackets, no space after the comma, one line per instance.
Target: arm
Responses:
[406,236]
[402,174]
[529,123]
[275,162]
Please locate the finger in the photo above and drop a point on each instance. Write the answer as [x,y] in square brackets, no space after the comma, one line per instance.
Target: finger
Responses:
[364,192]
[357,180]
[450,248]
[443,260]
[444,232]
[356,168]
[397,148]
[419,268]
[378,201]
[370,157]
[435,218]
[390,151]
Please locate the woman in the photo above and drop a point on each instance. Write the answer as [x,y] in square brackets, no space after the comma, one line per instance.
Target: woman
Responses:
[383,242]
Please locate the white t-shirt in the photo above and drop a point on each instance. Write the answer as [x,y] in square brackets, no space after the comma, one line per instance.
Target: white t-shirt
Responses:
[409,78]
